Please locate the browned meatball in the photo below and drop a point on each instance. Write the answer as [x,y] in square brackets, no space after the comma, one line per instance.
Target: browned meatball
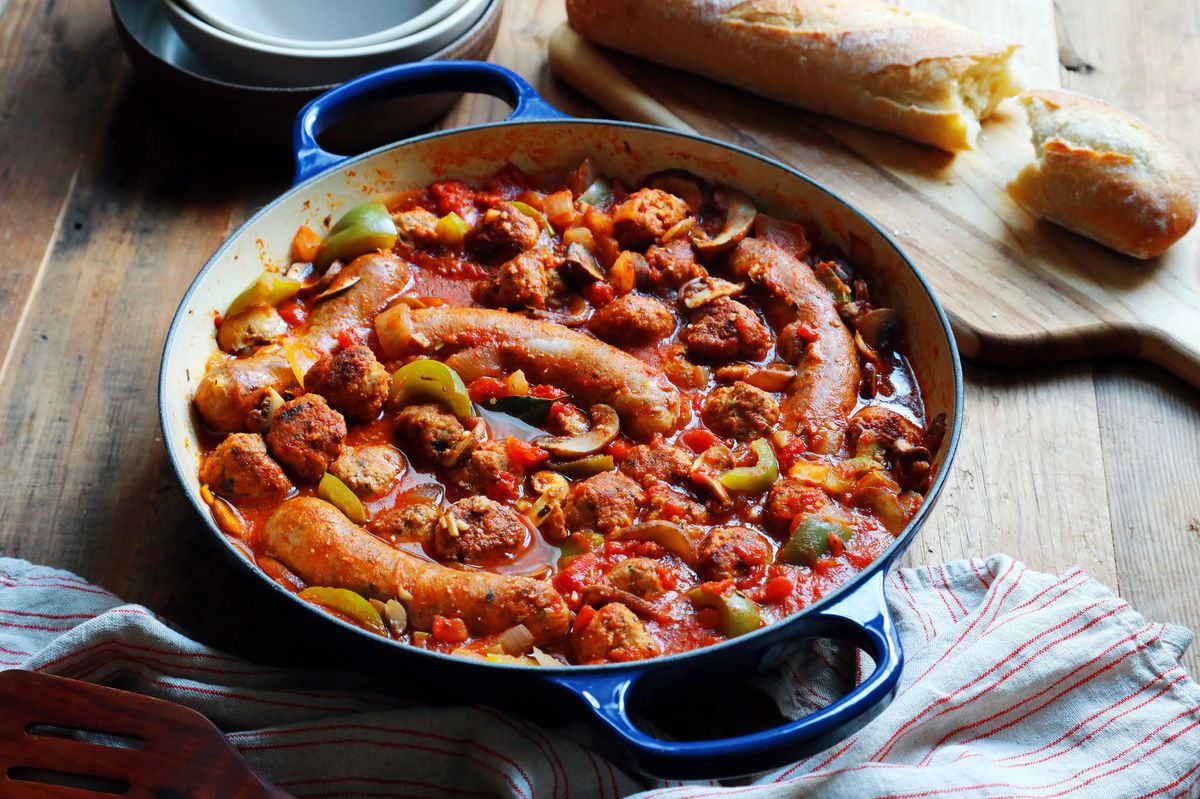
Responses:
[431,434]
[501,233]
[240,469]
[411,521]
[671,265]
[638,576]
[725,330]
[368,470]
[616,634]
[740,411]
[483,466]
[664,502]
[527,281]
[632,319]
[658,460]
[416,226]
[306,436]
[603,503]
[732,553]
[476,527]
[788,499]
[352,380]
[646,215]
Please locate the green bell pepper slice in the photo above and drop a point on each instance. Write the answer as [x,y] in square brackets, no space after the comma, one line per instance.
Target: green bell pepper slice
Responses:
[737,613]
[269,287]
[362,229]
[586,466]
[338,494]
[757,478]
[810,540]
[348,603]
[427,379]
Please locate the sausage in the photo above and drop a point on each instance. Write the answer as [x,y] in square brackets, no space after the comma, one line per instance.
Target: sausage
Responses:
[318,543]
[825,391]
[590,370]
[231,389]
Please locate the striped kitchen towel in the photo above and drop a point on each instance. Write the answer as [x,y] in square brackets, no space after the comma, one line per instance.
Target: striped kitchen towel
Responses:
[1017,684]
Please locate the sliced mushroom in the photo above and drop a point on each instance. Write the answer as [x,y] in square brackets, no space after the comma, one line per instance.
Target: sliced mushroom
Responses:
[337,287]
[606,426]
[575,314]
[879,327]
[775,376]
[682,184]
[739,218]
[707,469]
[258,324]
[598,595]
[580,265]
[702,290]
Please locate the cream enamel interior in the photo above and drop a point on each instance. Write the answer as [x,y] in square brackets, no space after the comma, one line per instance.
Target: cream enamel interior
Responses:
[475,154]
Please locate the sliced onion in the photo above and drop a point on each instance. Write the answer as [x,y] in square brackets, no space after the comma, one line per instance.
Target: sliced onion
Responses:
[477,362]
[514,641]
[544,659]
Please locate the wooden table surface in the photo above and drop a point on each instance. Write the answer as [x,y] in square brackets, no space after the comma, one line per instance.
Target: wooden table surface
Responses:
[108,207]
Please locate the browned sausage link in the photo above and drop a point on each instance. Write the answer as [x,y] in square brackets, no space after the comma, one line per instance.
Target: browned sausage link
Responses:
[590,370]
[825,391]
[325,548]
[230,389]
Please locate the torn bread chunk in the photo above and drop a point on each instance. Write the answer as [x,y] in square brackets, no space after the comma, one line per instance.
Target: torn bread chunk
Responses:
[1105,174]
[865,61]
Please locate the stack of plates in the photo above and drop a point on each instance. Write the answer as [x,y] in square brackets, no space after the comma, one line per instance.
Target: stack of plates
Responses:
[245,67]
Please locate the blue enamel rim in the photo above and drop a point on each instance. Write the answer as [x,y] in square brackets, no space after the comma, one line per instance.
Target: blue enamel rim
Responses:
[856,611]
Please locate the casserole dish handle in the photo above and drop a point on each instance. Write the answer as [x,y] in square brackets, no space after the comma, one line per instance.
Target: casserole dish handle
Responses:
[861,618]
[426,77]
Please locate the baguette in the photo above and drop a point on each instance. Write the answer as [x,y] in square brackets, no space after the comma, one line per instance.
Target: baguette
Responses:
[871,63]
[1105,174]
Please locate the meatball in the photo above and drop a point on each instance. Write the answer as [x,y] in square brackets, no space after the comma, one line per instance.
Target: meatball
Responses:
[726,330]
[240,469]
[368,470]
[502,233]
[646,215]
[526,281]
[740,411]
[412,521]
[483,467]
[664,502]
[632,319]
[658,460]
[732,553]
[671,265]
[416,226]
[476,527]
[638,576]
[614,633]
[306,436]
[352,380]
[603,503]
[788,499]
[431,434]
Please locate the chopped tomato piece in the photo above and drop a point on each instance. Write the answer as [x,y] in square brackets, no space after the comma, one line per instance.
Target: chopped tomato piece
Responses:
[449,630]
[698,439]
[482,389]
[506,488]
[582,618]
[599,294]
[348,338]
[293,312]
[836,545]
[708,617]
[546,392]
[524,454]
[305,244]
[777,589]
[578,572]
[619,449]
[452,196]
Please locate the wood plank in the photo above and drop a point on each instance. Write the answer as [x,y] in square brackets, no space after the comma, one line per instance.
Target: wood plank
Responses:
[55,68]
[1150,423]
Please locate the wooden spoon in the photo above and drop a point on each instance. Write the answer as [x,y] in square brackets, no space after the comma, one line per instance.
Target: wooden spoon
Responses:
[64,738]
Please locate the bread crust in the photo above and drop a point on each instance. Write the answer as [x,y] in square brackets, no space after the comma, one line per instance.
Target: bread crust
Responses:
[1106,174]
[871,63]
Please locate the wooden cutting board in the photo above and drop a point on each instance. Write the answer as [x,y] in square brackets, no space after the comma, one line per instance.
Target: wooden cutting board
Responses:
[1018,291]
